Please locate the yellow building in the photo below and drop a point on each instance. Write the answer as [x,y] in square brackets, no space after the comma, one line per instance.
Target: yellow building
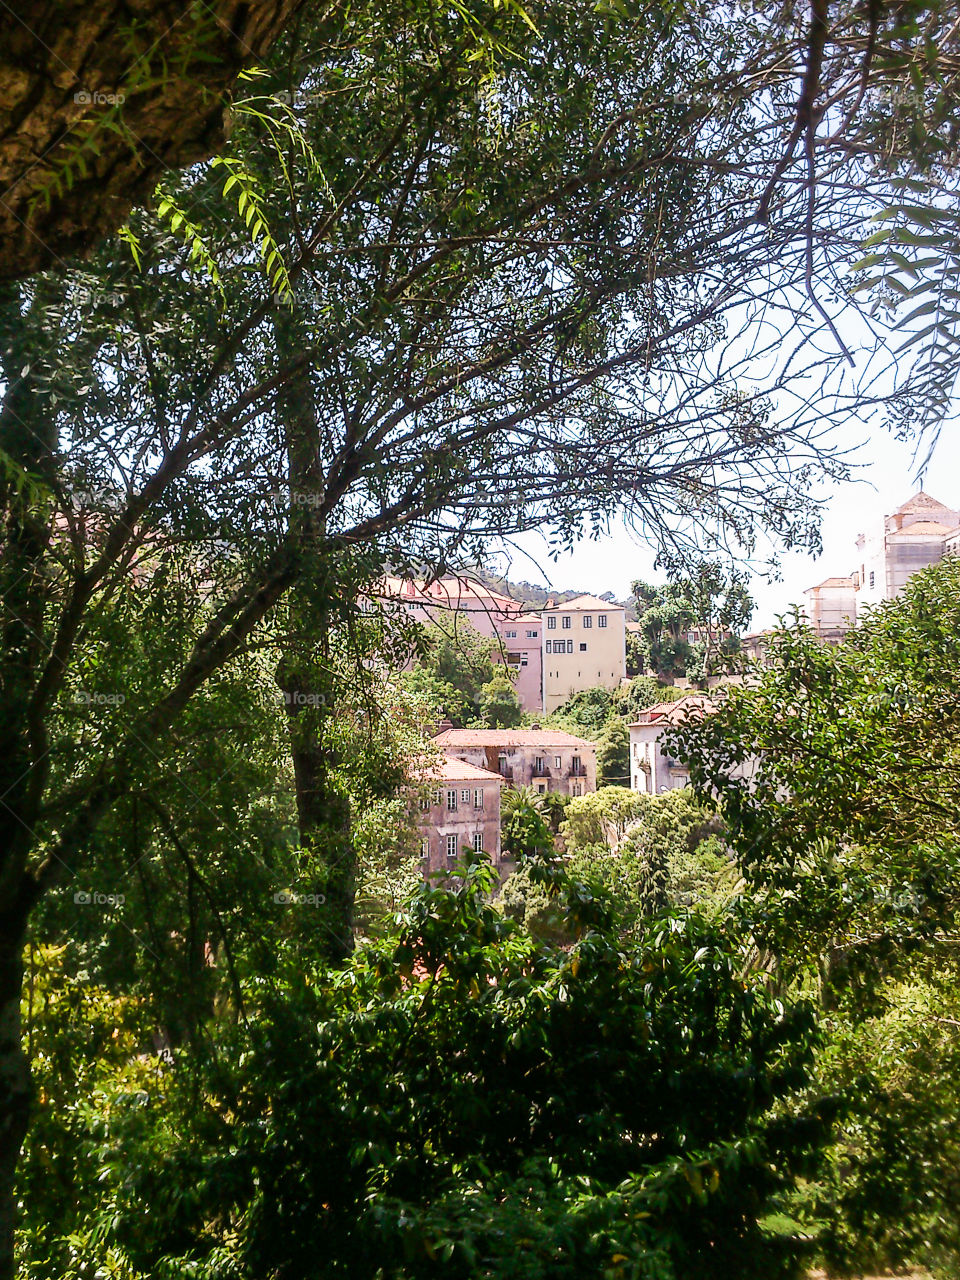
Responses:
[583,646]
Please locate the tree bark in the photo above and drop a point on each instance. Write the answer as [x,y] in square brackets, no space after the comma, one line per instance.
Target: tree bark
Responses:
[98,99]
[14,1080]
[305,673]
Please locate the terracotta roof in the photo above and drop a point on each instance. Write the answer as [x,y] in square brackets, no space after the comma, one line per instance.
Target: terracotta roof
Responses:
[690,706]
[587,604]
[920,502]
[455,739]
[452,770]
[920,526]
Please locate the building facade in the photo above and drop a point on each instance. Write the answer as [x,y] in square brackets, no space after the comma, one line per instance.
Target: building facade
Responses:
[918,534]
[652,768]
[583,647]
[451,602]
[831,607]
[459,809]
[544,759]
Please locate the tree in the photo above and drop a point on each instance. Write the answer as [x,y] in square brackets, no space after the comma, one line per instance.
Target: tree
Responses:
[483,246]
[613,755]
[144,93]
[524,832]
[845,828]
[460,663]
[499,705]
[586,712]
[600,818]
[439,1111]
[845,813]
[713,604]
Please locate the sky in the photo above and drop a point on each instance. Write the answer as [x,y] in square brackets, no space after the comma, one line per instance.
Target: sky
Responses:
[887,475]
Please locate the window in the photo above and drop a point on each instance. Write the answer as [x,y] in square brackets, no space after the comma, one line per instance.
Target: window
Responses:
[532,635]
[576,789]
[524,660]
[569,646]
[438,796]
[538,765]
[551,623]
[872,579]
[465,796]
[587,622]
[478,798]
[452,799]
[478,841]
[424,804]
[602,620]
[542,789]
[583,648]
[451,848]
[510,635]
[556,762]
[425,849]
[567,622]
[575,764]
[502,763]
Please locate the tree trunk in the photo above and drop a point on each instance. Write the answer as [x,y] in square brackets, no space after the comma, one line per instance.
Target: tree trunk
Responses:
[14,1082]
[305,674]
[98,99]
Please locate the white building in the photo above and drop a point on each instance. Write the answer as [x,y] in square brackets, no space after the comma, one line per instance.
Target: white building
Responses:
[652,768]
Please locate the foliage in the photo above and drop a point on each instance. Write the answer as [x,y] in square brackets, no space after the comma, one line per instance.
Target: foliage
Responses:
[586,713]
[432,1110]
[847,818]
[667,857]
[601,817]
[641,693]
[713,604]
[524,830]
[459,664]
[613,755]
[499,705]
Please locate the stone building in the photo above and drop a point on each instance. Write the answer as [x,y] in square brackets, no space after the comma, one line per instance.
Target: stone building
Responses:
[544,759]
[459,809]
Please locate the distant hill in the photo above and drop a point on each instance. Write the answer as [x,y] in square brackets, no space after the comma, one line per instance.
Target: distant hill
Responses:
[536,597]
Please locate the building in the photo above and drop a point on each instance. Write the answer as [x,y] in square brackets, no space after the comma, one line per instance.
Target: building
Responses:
[832,607]
[652,768]
[544,759]
[460,810]
[583,647]
[918,534]
[912,538]
[451,601]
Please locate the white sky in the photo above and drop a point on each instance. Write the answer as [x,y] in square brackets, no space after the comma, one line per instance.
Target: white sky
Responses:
[886,478]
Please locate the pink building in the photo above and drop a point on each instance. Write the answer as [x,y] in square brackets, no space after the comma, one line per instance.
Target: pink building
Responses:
[449,602]
[545,759]
[461,810]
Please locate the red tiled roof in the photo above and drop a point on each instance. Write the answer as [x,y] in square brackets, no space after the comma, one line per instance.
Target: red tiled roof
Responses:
[588,604]
[451,770]
[920,502]
[690,706]
[921,526]
[455,739]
